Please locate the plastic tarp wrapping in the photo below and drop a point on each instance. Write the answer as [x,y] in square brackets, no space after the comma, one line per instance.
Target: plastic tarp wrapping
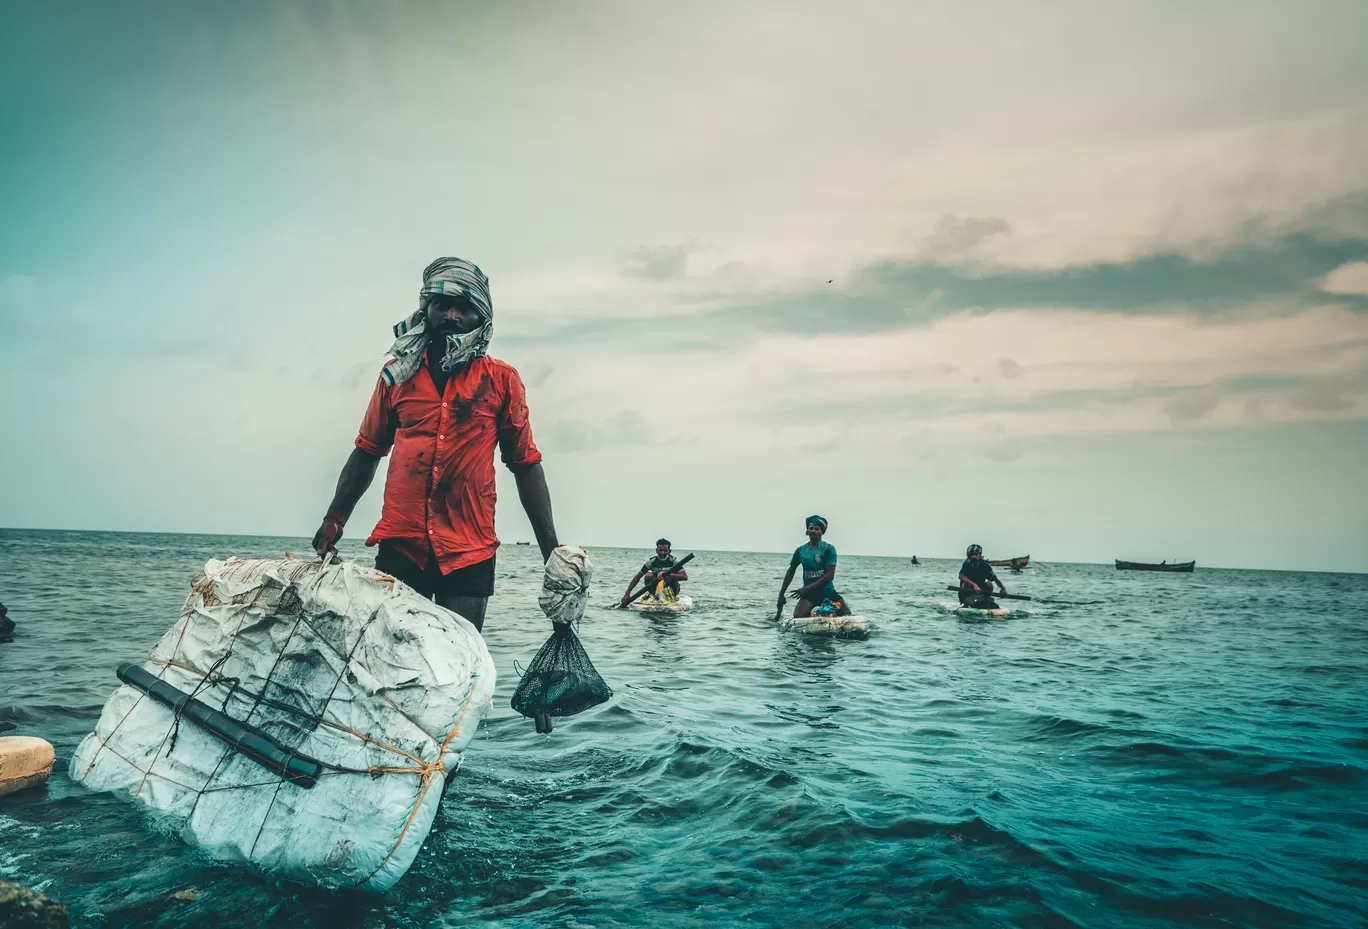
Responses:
[336,661]
[565,584]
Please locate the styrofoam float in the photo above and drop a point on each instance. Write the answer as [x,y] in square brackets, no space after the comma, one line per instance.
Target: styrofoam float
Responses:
[25,762]
[677,605]
[335,664]
[847,626]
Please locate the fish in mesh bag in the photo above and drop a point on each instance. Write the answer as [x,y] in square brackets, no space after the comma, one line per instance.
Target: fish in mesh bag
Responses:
[561,680]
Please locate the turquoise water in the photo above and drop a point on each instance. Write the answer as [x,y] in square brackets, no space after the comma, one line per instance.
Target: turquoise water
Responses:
[1129,750]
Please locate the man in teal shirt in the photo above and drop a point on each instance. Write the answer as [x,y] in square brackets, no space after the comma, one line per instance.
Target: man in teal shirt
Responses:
[818,558]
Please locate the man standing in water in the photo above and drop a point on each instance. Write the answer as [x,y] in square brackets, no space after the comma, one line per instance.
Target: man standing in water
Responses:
[976,580]
[818,558]
[441,406]
[656,569]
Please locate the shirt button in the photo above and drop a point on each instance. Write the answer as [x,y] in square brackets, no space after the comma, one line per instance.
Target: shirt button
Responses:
[441,437]
[444,404]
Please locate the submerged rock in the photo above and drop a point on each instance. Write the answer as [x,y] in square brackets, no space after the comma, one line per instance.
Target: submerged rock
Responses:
[21,908]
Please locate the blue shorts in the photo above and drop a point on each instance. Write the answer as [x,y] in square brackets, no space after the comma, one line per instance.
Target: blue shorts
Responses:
[829,593]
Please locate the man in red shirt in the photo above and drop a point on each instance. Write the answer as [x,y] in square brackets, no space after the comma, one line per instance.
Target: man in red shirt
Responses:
[439,409]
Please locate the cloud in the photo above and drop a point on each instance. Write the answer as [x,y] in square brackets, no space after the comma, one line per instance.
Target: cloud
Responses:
[888,294]
[1009,369]
[1003,450]
[1351,278]
[537,375]
[357,374]
[893,395]
[1330,394]
[626,429]
[956,238]
[19,307]
[662,263]
[18,292]
[1191,405]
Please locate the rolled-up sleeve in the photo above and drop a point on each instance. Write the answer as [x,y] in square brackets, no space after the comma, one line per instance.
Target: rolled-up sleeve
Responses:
[376,435]
[515,429]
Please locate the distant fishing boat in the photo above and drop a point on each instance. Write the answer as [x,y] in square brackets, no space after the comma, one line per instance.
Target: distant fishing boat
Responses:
[1181,567]
[522,543]
[1022,561]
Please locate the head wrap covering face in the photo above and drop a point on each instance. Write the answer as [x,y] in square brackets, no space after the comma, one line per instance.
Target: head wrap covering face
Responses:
[816,520]
[446,277]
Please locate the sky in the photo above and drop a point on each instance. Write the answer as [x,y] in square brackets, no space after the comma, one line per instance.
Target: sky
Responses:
[1080,280]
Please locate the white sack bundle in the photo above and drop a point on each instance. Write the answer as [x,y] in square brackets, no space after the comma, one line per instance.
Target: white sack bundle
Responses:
[565,585]
[336,662]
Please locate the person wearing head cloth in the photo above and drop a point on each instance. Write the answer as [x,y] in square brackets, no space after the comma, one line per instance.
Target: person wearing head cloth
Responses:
[440,409]
[976,580]
[818,560]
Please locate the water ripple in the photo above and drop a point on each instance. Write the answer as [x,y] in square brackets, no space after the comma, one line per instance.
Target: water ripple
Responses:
[1132,751]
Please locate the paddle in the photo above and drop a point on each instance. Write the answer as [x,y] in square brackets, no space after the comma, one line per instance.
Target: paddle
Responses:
[646,591]
[1001,596]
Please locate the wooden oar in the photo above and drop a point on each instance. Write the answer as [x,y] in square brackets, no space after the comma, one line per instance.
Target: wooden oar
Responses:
[1001,596]
[646,590]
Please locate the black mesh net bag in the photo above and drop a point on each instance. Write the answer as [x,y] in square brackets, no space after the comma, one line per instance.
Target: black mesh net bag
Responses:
[560,681]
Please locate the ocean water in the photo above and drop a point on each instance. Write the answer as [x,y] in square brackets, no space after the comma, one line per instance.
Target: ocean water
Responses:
[1127,750]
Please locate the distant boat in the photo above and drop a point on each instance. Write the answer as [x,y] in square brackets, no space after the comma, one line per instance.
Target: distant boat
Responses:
[522,543]
[1023,561]
[1181,567]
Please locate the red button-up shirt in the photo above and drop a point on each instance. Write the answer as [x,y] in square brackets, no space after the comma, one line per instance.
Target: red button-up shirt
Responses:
[439,491]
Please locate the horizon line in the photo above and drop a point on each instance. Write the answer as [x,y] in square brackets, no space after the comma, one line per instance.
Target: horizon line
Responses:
[740,551]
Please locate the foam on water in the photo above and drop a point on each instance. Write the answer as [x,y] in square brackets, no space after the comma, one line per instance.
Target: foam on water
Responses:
[1126,750]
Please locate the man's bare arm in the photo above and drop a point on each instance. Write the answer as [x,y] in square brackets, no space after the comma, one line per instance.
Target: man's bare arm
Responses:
[352,484]
[788,579]
[536,501]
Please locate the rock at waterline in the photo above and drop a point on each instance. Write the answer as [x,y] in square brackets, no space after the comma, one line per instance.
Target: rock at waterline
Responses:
[6,625]
[21,908]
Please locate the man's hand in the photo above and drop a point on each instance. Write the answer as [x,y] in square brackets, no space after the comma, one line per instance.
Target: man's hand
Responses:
[325,539]
[780,604]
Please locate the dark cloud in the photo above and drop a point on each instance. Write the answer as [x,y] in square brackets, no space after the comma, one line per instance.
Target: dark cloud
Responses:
[1003,450]
[956,237]
[1293,265]
[1191,405]
[662,263]
[892,295]
[537,375]
[357,374]
[624,430]
[1329,394]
